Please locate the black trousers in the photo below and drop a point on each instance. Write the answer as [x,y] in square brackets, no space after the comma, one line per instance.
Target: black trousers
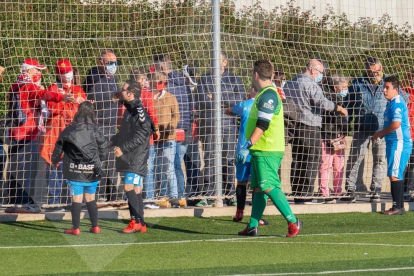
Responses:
[306,155]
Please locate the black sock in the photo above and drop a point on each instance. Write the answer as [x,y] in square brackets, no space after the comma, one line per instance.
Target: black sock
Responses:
[397,188]
[93,212]
[141,208]
[76,210]
[130,210]
[241,196]
[134,205]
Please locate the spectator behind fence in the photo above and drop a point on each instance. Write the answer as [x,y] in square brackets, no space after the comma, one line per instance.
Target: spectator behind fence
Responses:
[308,97]
[132,152]
[177,87]
[60,116]
[279,80]
[367,106]
[333,132]
[99,86]
[147,98]
[168,117]
[24,116]
[232,92]
[408,85]
[396,132]
[84,147]
[192,158]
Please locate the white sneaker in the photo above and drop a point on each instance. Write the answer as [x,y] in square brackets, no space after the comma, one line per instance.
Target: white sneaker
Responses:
[151,206]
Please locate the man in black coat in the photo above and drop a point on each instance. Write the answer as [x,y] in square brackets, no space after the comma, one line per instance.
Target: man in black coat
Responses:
[132,152]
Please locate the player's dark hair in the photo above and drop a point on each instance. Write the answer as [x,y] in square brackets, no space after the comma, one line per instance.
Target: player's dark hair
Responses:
[264,69]
[134,87]
[86,113]
[393,80]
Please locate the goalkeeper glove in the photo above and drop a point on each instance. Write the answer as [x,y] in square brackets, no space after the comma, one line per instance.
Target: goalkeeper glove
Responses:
[243,152]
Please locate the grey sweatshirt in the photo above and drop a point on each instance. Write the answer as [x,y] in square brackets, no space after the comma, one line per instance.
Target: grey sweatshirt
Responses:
[309,98]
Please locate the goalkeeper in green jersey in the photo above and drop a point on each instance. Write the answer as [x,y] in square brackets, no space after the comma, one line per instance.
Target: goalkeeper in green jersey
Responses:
[266,144]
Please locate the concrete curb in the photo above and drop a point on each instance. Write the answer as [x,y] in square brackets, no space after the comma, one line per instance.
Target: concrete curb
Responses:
[209,211]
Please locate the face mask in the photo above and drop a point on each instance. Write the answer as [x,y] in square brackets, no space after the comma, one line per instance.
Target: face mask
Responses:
[111,69]
[343,93]
[319,78]
[36,78]
[283,83]
[160,86]
[69,76]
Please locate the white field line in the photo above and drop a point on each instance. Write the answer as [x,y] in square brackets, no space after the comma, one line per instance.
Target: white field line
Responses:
[193,241]
[327,243]
[331,272]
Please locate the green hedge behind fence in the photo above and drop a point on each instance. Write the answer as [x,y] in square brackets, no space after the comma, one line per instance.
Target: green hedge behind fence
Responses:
[49,30]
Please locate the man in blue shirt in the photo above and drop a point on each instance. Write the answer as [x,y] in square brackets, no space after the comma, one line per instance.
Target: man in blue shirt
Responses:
[398,142]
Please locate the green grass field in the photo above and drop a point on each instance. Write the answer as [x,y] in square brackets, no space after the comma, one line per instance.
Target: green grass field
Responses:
[344,244]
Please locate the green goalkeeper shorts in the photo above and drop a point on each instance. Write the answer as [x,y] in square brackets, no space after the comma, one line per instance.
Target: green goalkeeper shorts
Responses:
[264,172]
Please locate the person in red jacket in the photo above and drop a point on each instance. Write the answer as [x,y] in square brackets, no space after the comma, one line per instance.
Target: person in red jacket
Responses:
[24,98]
[147,98]
[61,114]
[409,172]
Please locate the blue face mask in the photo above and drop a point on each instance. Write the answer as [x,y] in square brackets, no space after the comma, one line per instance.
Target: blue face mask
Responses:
[343,93]
[319,78]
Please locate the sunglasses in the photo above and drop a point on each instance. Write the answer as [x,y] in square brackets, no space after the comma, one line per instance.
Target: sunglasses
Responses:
[110,63]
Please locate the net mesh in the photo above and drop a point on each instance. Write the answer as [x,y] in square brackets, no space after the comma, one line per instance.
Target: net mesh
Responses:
[171,34]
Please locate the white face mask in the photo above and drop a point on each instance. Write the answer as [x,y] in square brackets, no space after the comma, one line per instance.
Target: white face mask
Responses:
[111,69]
[69,76]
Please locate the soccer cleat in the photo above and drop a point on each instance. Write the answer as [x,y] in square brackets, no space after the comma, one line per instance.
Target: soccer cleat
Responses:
[95,230]
[249,232]
[330,201]
[140,228]
[263,222]
[130,228]
[239,216]
[294,228]
[394,211]
[72,231]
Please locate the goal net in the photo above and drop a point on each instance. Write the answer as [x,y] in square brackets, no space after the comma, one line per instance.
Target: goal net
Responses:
[166,45]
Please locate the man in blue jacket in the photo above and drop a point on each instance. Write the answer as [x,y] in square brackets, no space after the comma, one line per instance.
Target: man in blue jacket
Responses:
[177,86]
[367,105]
[232,92]
[99,86]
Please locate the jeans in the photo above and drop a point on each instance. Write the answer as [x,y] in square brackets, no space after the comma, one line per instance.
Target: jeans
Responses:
[192,166]
[22,170]
[55,183]
[359,148]
[148,191]
[165,171]
[178,159]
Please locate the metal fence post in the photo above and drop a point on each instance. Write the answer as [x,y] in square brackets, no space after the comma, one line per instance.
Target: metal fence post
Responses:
[216,68]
